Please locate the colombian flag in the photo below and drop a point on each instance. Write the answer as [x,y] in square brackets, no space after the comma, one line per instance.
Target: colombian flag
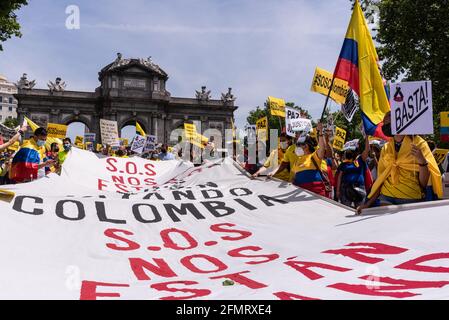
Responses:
[358,65]
[139,130]
[26,161]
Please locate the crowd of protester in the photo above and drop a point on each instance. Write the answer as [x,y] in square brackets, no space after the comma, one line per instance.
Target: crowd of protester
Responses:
[398,171]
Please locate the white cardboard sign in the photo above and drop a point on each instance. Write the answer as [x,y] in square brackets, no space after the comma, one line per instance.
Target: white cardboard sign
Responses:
[301,124]
[150,144]
[290,115]
[138,144]
[411,108]
[109,131]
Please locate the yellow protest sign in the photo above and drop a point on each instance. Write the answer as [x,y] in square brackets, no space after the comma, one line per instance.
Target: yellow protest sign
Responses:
[440,155]
[262,129]
[277,107]
[56,130]
[322,81]
[339,139]
[124,142]
[190,130]
[79,140]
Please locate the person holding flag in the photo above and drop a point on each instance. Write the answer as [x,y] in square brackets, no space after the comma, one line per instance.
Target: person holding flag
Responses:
[28,162]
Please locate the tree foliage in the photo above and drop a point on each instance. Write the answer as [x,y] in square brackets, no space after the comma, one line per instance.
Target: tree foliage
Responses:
[11,123]
[9,26]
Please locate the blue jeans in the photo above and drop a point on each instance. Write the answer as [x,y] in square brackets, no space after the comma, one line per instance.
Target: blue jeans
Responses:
[386,200]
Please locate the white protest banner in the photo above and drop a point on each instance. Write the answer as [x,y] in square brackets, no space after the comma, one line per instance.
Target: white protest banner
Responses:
[301,124]
[109,132]
[90,137]
[128,228]
[290,114]
[150,144]
[138,144]
[411,108]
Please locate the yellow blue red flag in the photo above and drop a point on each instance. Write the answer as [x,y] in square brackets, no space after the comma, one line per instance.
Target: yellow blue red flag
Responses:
[358,65]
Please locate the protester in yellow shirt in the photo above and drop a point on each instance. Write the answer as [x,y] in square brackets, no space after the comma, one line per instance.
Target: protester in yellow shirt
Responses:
[289,159]
[406,168]
[275,159]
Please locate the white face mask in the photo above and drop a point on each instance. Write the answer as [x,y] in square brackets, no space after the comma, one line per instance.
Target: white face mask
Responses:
[284,145]
[299,151]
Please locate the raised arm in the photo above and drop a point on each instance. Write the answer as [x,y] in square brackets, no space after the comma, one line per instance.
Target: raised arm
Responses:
[365,152]
[321,141]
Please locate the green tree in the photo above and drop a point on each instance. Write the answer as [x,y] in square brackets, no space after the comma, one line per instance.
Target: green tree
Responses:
[11,123]
[413,44]
[9,26]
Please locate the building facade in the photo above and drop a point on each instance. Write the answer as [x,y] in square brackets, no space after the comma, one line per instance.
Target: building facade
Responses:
[130,90]
[8,103]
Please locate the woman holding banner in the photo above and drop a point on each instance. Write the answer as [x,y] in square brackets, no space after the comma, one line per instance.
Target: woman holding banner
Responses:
[309,170]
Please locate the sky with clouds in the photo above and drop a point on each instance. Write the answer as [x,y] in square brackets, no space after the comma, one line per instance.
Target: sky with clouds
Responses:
[257,47]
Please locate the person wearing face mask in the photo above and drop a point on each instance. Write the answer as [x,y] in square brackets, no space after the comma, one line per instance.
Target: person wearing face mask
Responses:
[353,177]
[310,169]
[165,155]
[28,164]
[407,171]
[52,154]
[67,146]
[275,159]
[289,159]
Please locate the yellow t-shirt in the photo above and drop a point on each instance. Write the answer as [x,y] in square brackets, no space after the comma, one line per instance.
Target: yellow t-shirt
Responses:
[274,160]
[290,157]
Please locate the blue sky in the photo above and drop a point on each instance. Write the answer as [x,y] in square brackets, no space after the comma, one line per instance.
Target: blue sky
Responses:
[257,47]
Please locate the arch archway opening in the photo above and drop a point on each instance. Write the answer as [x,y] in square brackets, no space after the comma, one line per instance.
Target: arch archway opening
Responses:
[128,132]
[76,128]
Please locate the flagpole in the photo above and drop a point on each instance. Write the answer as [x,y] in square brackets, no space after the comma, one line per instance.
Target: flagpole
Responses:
[327,98]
